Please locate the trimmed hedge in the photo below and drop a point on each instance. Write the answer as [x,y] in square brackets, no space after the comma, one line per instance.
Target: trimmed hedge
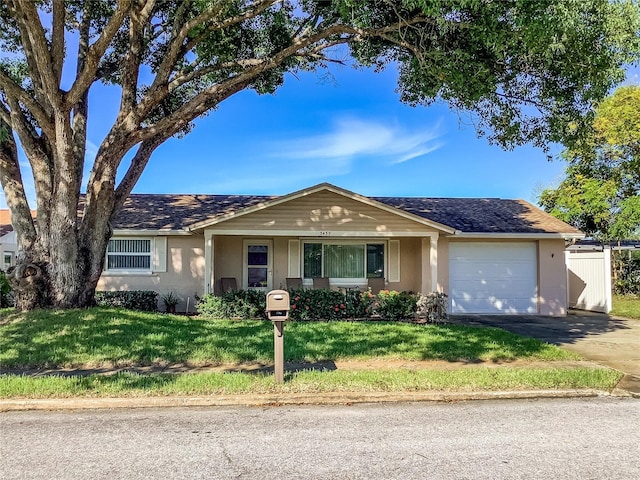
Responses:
[309,304]
[141,300]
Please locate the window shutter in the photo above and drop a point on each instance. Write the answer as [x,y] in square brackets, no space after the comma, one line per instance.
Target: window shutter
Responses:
[394,261]
[159,254]
[294,259]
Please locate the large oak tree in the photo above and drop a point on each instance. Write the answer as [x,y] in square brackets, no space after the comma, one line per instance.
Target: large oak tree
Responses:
[528,70]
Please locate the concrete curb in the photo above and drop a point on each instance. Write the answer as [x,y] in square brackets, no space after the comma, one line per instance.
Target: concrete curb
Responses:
[287,399]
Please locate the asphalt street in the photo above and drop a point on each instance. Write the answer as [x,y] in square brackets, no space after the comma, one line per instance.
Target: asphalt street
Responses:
[590,438]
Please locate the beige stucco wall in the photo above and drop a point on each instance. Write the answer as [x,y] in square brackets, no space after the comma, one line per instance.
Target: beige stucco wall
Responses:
[443,264]
[227,259]
[410,266]
[552,277]
[185,268]
[280,261]
[184,275]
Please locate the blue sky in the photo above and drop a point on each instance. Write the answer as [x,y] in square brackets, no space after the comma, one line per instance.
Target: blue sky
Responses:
[345,127]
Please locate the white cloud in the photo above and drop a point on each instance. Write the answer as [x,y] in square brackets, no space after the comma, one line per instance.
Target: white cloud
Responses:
[303,161]
[351,138]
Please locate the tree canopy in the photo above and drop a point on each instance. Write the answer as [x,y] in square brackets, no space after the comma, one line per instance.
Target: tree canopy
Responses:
[601,192]
[529,71]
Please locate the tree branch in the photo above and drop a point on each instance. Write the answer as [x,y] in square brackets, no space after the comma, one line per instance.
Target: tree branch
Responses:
[12,89]
[137,166]
[31,29]
[57,38]
[131,68]
[35,149]
[177,49]
[95,53]
[11,181]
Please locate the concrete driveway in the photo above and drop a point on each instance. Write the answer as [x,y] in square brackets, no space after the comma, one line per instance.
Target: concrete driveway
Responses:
[610,341]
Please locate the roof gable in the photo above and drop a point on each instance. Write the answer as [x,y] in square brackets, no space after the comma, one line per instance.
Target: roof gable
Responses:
[313,191]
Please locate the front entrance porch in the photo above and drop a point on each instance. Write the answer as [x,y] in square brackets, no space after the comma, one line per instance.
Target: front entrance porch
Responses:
[265,263]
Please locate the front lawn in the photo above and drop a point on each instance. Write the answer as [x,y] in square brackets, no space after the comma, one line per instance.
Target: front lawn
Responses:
[108,337]
[627,306]
[118,338]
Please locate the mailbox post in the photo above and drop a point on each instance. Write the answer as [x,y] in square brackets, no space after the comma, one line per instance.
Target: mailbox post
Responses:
[278,311]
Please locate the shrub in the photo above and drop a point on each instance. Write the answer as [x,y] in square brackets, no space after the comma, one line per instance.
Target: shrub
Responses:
[393,305]
[235,304]
[323,304]
[432,307]
[6,299]
[141,300]
[627,269]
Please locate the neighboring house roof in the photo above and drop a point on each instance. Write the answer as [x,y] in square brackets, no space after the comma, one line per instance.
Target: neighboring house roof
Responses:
[5,222]
[590,245]
[465,215]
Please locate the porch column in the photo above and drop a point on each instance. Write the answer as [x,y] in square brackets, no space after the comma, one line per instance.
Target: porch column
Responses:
[209,274]
[425,265]
[430,263]
[433,261]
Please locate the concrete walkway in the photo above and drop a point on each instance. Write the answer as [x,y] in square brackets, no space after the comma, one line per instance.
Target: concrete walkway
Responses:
[610,341]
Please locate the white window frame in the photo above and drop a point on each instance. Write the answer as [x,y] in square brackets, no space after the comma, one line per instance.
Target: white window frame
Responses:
[346,282]
[11,256]
[245,263]
[130,270]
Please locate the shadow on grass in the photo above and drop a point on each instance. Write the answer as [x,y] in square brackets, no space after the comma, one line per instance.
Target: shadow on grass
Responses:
[337,340]
[117,338]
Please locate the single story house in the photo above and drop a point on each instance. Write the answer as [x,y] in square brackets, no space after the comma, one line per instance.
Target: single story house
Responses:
[488,255]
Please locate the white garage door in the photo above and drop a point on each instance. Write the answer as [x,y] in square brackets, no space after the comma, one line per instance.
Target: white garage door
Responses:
[493,277]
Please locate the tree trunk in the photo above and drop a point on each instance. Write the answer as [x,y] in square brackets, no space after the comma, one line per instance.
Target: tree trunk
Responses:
[35,280]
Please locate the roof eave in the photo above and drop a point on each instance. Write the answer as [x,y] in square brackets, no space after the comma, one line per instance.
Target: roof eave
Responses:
[516,235]
[142,232]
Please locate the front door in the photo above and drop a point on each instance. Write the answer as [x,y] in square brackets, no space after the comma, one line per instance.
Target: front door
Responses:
[258,265]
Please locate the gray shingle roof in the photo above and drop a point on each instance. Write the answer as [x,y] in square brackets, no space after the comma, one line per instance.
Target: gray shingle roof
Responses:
[178,212]
[469,215]
[482,215]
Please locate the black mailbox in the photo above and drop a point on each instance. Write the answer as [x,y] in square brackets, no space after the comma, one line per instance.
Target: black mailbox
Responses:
[278,305]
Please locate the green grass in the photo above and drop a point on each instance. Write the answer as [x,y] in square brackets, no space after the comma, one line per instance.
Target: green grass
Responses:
[467,379]
[626,306]
[105,337]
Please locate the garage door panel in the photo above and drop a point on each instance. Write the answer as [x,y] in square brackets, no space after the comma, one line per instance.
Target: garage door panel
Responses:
[511,290]
[493,278]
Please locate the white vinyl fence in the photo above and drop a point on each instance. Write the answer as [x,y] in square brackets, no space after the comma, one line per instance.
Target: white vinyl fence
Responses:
[589,280]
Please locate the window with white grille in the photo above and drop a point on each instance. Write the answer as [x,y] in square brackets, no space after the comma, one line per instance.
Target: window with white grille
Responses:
[129,254]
